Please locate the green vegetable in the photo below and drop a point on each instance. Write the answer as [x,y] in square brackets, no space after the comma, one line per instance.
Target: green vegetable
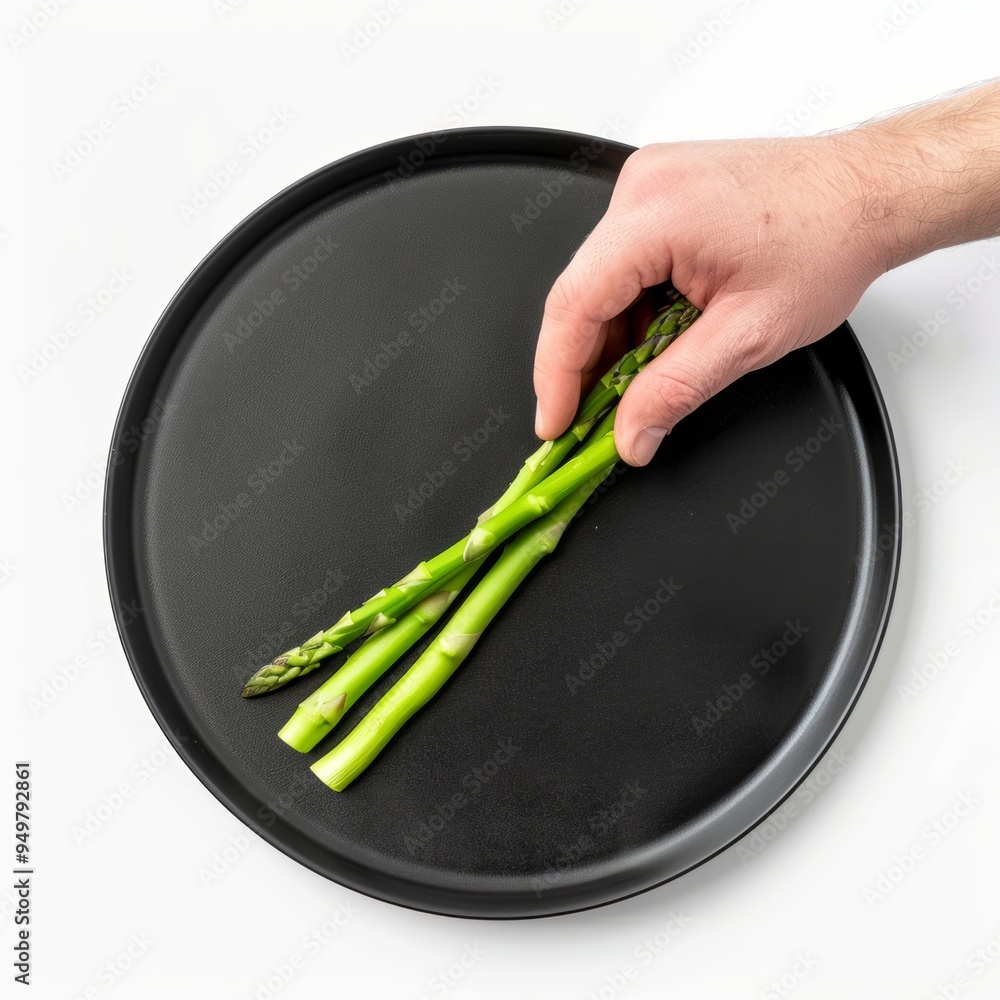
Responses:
[455,641]
[537,480]
[323,709]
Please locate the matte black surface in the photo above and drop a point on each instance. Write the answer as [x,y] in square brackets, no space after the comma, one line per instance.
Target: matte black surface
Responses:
[518,791]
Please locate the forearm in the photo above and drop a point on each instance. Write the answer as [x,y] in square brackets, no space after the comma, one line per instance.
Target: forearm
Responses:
[928,177]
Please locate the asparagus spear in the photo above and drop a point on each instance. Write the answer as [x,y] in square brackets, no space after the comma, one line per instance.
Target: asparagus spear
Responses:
[380,610]
[428,576]
[453,643]
[323,709]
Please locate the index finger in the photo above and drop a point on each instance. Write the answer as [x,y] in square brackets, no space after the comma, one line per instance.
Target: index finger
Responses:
[603,279]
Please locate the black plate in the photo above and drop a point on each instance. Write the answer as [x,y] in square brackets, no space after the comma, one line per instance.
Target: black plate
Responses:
[297,433]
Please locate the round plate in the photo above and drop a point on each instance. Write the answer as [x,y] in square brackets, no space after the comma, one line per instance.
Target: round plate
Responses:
[335,393]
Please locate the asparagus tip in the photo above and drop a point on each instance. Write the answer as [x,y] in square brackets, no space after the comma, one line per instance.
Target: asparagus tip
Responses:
[257,685]
[271,677]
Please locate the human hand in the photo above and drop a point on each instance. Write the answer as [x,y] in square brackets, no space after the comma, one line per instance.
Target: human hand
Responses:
[774,239]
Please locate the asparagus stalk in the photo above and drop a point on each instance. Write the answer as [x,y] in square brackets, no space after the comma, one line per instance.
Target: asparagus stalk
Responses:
[324,708]
[428,576]
[386,605]
[453,643]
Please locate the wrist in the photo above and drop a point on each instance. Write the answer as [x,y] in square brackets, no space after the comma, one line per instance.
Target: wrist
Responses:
[856,194]
[908,208]
[925,179]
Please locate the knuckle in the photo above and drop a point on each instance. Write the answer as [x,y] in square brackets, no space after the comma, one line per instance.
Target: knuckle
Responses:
[751,346]
[562,301]
[758,342]
[638,161]
[565,347]
[571,298]
[588,296]
[640,181]
[540,377]
[549,359]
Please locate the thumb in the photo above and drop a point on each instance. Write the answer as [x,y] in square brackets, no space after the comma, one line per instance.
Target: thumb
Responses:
[730,338]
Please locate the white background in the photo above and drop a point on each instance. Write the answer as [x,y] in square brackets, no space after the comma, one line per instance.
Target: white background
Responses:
[749,914]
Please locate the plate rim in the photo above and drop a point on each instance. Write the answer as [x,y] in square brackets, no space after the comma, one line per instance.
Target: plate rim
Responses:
[117,532]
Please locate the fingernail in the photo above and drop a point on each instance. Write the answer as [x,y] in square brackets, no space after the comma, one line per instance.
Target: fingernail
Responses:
[645,444]
[538,419]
